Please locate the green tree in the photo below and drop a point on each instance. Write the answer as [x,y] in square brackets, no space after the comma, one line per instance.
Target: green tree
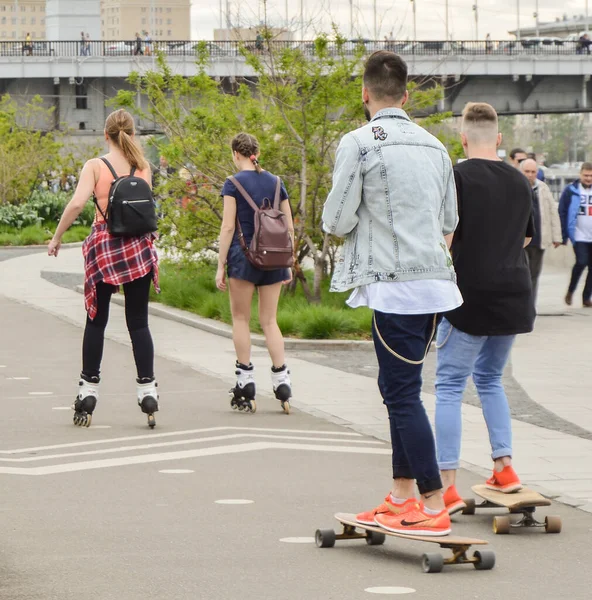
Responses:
[301,102]
[26,153]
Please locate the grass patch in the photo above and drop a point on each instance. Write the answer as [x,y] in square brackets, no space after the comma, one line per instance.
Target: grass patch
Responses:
[192,287]
[39,235]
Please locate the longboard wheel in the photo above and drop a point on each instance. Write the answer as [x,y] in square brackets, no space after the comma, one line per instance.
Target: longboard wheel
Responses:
[553,524]
[501,525]
[484,560]
[469,509]
[325,538]
[375,538]
[432,562]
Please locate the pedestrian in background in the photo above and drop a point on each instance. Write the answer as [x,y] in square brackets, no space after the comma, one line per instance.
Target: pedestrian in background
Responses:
[575,212]
[547,226]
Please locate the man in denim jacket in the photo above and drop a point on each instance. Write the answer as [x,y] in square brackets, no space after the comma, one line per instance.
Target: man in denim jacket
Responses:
[394,202]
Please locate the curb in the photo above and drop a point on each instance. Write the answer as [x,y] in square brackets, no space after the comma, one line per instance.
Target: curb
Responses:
[224,330]
[42,246]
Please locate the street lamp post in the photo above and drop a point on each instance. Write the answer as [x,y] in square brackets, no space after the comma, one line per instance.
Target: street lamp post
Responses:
[446,20]
[414,21]
[476,11]
[351,19]
[17,30]
[518,20]
[536,16]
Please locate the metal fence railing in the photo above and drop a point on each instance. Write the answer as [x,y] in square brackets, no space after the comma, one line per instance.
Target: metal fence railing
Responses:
[226,49]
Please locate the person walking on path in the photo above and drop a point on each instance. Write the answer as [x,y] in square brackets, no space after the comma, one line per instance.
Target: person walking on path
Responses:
[547,226]
[238,222]
[138,48]
[393,200]
[517,155]
[495,224]
[575,212]
[110,262]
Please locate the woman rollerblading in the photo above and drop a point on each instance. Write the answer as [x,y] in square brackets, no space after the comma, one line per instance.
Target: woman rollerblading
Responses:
[251,190]
[115,258]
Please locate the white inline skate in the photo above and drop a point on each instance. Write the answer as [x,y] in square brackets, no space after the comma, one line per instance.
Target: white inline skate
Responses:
[243,393]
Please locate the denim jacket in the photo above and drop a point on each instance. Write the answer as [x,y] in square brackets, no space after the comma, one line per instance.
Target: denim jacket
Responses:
[393,200]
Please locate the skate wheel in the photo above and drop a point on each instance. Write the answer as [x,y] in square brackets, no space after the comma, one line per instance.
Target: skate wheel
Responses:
[241,408]
[325,538]
[501,525]
[484,560]
[375,538]
[469,509]
[151,421]
[553,524]
[432,562]
[253,406]
[286,407]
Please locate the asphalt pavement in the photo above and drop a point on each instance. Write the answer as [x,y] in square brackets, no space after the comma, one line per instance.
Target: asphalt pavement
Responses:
[121,512]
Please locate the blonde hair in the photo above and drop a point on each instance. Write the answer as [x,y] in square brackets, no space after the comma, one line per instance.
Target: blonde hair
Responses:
[479,122]
[247,145]
[120,128]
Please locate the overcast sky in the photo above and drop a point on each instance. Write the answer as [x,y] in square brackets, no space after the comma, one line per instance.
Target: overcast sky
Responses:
[495,16]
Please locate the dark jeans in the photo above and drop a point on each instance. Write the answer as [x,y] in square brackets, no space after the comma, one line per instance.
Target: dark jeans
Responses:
[412,439]
[136,316]
[583,251]
[535,264]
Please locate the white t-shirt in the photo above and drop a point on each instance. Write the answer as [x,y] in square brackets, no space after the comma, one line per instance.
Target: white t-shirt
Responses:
[418,297]
[584,222]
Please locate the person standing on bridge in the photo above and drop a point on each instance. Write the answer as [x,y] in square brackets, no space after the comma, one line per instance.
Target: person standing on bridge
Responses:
[575,211]
[495,224]
[396,261]
[112,261]
[547,226]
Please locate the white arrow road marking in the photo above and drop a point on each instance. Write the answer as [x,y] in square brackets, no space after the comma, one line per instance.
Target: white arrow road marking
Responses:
[184,454]
[181,443]
[152,436]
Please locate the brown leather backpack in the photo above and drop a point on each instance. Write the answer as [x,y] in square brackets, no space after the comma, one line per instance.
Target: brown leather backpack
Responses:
[271,246]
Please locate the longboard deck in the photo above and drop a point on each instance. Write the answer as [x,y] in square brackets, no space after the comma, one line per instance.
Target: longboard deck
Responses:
[515,500]
[443,540]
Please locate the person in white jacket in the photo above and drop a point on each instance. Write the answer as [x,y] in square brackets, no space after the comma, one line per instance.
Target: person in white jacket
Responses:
[547,223]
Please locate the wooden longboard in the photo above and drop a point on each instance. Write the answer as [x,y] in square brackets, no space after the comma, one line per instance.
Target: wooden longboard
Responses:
[444,541]
[431,562]
[516,500]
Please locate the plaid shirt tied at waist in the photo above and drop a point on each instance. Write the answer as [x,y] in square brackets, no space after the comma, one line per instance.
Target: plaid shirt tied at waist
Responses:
[115,261]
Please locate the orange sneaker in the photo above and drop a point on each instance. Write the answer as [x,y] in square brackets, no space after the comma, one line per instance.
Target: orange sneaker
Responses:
[505,481]
[388,506]
[454,503]
[416,521]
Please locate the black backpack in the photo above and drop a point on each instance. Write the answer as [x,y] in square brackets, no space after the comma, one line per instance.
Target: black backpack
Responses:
[130,207]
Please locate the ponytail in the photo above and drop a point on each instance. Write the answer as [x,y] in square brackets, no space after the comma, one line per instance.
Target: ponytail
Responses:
[132,151]
[256,163]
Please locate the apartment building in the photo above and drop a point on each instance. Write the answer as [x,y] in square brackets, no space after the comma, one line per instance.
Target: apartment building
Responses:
[19,17]
[163,19]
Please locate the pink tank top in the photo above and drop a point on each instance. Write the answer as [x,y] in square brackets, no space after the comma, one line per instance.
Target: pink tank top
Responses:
[103,186]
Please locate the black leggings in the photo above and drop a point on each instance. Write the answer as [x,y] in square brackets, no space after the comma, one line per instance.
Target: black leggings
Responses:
[136,316]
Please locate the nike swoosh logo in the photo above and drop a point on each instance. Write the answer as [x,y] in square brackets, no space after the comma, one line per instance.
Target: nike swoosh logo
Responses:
[408,523]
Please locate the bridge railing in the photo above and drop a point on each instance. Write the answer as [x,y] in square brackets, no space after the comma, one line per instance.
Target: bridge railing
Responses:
[227,49]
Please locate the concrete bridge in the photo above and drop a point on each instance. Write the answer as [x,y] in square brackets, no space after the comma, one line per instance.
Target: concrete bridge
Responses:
[515,78]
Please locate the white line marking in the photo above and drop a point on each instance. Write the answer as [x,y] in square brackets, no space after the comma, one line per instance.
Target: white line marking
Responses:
[394,591]
[217,438]
[61,408]
[176,471]
[40,393]
[298,540]
[92,427]
[2,366]
[183,454]
[178,433]
[234,501]
[20,378]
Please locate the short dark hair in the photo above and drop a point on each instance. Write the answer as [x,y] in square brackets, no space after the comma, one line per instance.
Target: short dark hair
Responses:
[587,166]
[515,151]
[385,75]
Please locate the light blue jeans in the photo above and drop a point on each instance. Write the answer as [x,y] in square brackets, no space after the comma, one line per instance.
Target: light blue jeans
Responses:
[461,355]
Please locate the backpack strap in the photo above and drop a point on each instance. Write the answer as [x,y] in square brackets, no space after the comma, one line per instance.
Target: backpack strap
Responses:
[244,192]
[276,201]
[99,208]
[110,167]
[133,171]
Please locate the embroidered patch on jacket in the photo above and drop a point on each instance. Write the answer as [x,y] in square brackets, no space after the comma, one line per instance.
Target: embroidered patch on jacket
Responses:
[379,133]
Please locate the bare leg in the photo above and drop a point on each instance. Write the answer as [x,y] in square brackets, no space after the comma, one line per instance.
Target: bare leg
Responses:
[241,296]
[269,296]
